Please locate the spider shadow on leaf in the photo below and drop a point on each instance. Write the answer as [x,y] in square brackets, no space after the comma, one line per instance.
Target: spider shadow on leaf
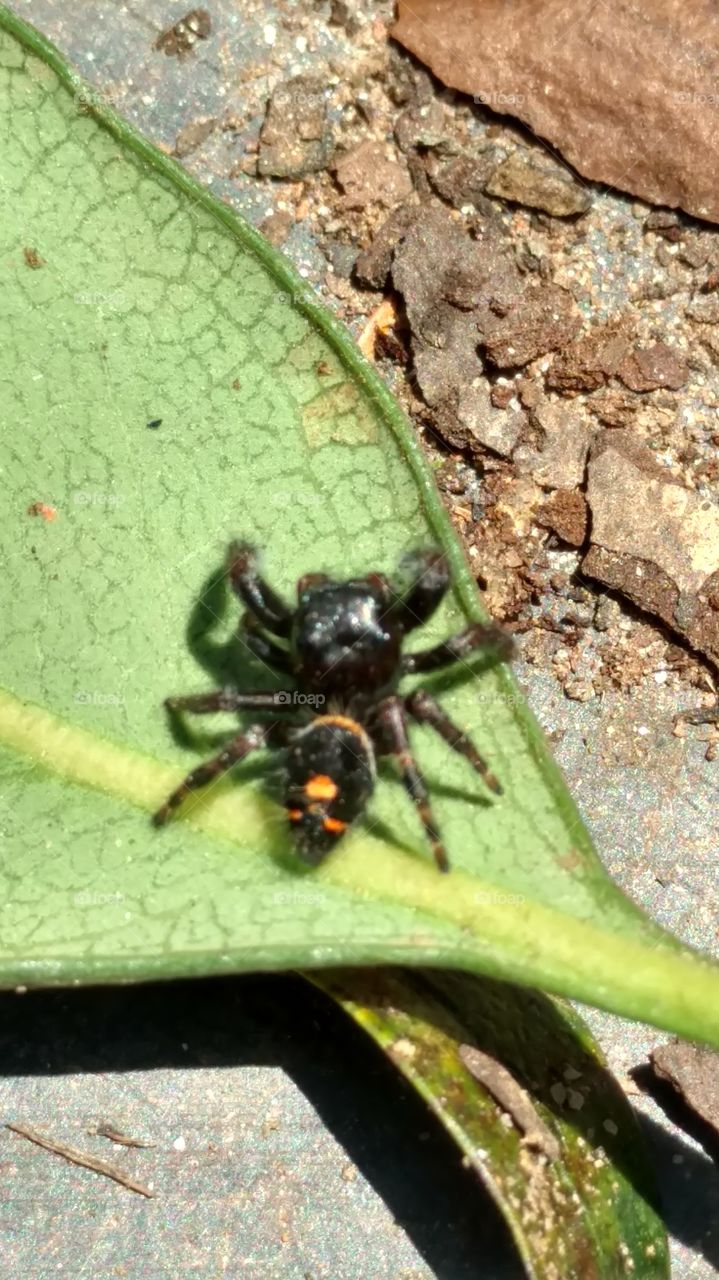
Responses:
[213,640]
[227,661]
[386,769]
[467,672]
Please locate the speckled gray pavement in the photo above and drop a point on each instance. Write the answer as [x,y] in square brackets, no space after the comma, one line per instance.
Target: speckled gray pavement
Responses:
[285,1146]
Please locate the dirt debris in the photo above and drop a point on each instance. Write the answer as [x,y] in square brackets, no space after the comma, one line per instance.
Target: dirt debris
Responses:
[707,716]
[566,513]
[590,361]
[692,1070]
[540,183]
[583,86]
[447,282]
[462,297]
[180,40]
[558,459]
[276,226]
[657,366]
[44,510]
[614,407]
[371,174]
[495,427]
[519,327]
[341,15]
[32,258]
[665,223]
[462,179]
[509,329]
[192,136]
[653,540]
[373,265]
[295,138]
[422,127]
[705,309]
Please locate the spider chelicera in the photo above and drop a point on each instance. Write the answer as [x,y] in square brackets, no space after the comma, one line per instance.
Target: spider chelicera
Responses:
[342,649]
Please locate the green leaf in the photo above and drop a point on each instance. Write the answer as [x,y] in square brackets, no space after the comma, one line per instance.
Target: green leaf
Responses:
[131,295]
[558,1147]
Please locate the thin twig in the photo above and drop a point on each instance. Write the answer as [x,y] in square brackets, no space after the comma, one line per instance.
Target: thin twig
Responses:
[512,1098]
[109,1131]
[79,1157]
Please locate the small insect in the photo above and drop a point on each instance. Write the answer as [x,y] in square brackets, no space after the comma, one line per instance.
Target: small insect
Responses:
[341,649]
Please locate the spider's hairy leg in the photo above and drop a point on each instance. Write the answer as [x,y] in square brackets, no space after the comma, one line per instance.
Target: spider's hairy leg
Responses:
[252,738]
[426,710]
[392,720]
[421,581]
[255,593]
[250,634]
[479,635]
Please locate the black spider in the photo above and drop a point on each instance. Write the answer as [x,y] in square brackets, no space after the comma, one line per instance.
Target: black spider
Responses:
[342,649]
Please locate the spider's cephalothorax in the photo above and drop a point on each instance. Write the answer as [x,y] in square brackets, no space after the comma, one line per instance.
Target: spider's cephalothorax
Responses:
[341,649]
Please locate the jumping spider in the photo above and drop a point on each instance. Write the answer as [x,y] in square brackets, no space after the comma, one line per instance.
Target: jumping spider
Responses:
[342,648]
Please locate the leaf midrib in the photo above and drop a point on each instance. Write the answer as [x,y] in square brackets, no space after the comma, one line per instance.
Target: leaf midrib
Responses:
[577,946]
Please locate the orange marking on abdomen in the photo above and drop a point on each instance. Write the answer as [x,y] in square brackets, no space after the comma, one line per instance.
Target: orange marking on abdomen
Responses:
[352,726]
[320,787]
[343,722]
[334,825]
[295,815]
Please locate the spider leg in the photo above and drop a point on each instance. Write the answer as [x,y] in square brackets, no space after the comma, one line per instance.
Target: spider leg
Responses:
[479,635]
[309,581]
[262,646]
[422,579]
[252,589]
[239,747]
[426,710]
[228,700]
[392,720]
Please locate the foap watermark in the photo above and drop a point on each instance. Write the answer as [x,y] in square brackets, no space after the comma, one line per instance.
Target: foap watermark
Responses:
[497,899]
[91,898]
[695,98]
[95,698]
[296,898]
[85,498]
[499,699]
[293,697]
[291,298]
[498,99]
[87,98]
[99,298]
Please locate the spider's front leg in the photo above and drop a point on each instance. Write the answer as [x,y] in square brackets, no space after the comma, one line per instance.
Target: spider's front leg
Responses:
[254,592]
[421,581]
[479,635]
[393,728]
[252,738]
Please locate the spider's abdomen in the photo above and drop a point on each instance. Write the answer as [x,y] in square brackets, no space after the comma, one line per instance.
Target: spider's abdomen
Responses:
[343,641]
[330,776]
